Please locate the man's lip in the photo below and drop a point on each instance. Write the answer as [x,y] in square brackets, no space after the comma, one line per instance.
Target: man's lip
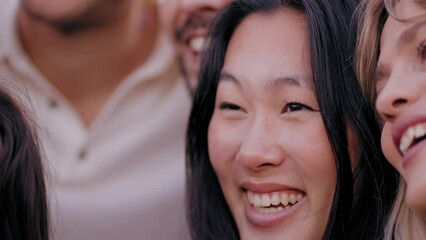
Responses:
[196,23]
[402,124]
[267,187]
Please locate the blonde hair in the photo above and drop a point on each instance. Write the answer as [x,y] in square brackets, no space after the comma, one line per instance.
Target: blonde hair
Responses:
[403,223]
[370,14]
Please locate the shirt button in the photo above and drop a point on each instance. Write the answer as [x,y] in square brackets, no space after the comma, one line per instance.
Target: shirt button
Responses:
[53,103]
[82,155]
[6,61]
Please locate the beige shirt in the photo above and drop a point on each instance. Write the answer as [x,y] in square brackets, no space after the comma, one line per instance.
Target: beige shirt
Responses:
[122,178]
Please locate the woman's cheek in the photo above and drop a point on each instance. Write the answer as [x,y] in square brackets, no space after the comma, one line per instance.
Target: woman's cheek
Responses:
[389,149]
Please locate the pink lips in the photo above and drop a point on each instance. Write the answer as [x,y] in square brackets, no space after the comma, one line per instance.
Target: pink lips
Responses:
[399,128]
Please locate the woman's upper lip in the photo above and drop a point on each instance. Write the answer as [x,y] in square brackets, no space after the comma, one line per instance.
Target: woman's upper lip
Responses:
[267,187]
[402,124]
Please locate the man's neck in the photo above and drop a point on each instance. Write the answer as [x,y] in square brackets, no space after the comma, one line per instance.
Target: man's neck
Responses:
[87,66]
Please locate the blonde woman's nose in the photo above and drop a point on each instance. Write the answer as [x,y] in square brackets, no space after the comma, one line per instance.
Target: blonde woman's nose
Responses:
[398,93]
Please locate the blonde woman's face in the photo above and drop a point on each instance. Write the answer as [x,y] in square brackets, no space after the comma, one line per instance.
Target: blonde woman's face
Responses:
[401,101]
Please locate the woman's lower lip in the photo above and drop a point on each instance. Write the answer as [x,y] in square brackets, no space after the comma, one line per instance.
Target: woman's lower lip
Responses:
[266,220]
[412,153]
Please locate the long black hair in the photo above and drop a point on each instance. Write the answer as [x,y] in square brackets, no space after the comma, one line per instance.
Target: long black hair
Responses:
[23,201]
[365,192]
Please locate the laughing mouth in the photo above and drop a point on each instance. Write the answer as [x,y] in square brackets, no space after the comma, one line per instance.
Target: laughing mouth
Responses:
[193,33]
[196,43]
[271,203]
[411,137]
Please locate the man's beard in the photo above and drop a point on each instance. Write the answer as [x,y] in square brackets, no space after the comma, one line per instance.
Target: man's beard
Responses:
[197,20]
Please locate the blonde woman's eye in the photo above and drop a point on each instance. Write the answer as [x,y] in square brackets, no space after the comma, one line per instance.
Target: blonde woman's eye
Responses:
[421,51]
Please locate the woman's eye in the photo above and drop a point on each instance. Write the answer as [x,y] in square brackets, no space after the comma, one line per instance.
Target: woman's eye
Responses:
[421,51]
[229,106]
[295,106]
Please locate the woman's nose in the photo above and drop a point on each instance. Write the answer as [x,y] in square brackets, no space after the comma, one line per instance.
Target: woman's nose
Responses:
[398,93]
[261,148]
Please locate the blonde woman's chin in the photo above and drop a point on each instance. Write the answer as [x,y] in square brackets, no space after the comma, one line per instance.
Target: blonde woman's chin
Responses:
[416,189]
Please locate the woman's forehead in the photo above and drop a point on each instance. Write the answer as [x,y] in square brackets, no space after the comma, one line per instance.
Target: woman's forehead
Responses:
[407,9]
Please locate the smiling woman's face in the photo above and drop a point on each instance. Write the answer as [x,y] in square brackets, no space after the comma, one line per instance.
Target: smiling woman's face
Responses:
[401,101]
[267,141]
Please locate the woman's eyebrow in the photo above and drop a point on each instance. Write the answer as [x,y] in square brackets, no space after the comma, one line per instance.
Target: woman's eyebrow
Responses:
[294,81]
[380,74]
[405,37]
[226,76]
[409,34]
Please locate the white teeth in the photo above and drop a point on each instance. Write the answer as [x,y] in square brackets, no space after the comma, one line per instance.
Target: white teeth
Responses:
[257,202]
[284,199]
[197,43]
[266,201]
[250,196]
[419,131]
[409,136]
[272,201]
[269,210]
[405,143]
[292,199]
[275,200]
[410,132]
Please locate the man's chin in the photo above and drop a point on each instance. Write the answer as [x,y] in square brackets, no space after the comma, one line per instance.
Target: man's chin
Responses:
[192,84]
[191,81]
